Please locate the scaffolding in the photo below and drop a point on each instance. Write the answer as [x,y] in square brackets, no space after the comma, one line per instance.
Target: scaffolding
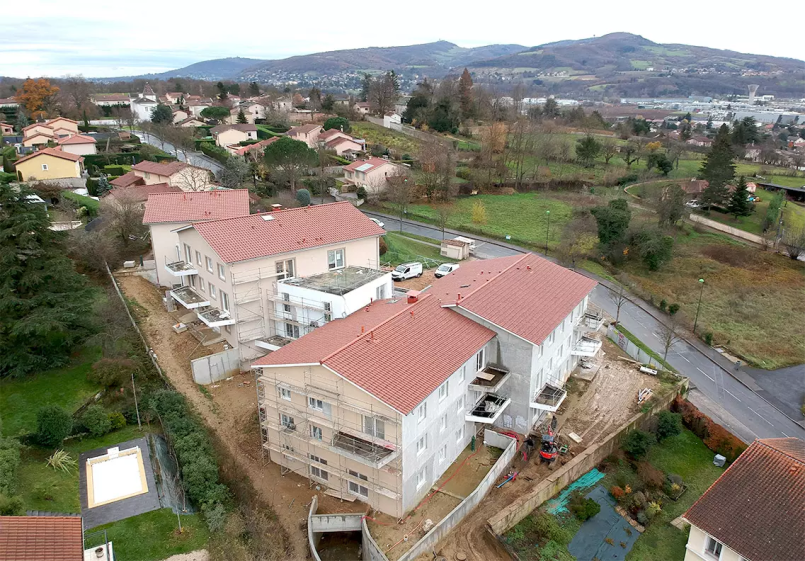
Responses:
[247,298]
[294,431]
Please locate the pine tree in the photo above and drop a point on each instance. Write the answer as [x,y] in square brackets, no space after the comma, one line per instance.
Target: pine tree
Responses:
[465,93]
[718,168]
[254,89]
[103,186]
[242,118]
[739,203]
[45,306]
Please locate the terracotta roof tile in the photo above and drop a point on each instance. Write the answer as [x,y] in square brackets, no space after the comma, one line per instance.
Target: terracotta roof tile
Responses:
[251,237]
[78,139]
[140,193]
[189,207]
[757,506]
[240,151]
[56,153]
[374,162]
[304,129]
[39,538]
[166,170]
[127,179]
[242,127]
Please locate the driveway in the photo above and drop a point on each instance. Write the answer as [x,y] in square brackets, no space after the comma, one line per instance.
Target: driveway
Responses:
[732,397]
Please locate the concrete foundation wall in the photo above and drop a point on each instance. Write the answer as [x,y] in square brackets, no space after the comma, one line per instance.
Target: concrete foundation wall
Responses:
[370,551]
[754,238]
[213,368]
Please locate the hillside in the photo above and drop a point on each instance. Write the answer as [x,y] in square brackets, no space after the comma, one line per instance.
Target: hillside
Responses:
[217,69]
[622,64]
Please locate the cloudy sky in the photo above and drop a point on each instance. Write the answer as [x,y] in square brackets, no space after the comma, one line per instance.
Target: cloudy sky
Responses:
[100,38]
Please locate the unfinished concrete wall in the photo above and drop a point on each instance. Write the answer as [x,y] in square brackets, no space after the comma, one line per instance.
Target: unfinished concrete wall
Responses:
[575,468]
[317,524]
[216,367]
[370,551]
[429,540]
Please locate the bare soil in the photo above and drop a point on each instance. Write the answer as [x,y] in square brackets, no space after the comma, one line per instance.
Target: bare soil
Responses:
[231,411]
[419,283]
[477,465]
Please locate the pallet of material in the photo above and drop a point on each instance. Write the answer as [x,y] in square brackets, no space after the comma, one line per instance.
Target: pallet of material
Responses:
[338,495]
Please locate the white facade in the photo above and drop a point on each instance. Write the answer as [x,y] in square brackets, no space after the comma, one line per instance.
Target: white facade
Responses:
[704,547]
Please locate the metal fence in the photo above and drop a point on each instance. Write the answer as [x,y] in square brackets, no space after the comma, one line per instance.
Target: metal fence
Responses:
[629,347]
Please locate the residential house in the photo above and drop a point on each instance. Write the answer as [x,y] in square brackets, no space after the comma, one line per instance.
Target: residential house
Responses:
[144,104]
[695,187]
[174,97]
[191,122]
[756,510]
[253,149]
[63,126]
[373,174]
[309,134]
[392,121]
[167,212]
[139,194]
[37,138]
[9,102]
[179,115]
[232,271]
[362,107]
[283,104]
[177,174]
[341,142]
[227,135]
[127,180]
[36,538]
[6,129]
[700,141]
[49,163]
[196,107]
[252,110]
[379,404]
[78,144]
[111,100]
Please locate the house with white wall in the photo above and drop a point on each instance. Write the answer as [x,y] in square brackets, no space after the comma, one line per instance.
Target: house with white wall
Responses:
[756,510]
[78,144]
[377,405]
[176,174]
[143,104]
[232,273]
[373,174]
[167,212]
[309,134]
[228,135]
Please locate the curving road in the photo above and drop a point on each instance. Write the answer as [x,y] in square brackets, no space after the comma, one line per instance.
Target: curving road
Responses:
[193,158]
[717,388]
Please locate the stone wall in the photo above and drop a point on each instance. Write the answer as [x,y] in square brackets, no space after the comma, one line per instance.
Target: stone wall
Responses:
[754,238]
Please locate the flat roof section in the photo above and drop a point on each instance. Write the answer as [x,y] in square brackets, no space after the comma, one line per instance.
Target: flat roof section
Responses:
[115,476]
[339,281]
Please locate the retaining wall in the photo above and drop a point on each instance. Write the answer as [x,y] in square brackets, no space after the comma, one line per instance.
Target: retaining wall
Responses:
[575,468]
[630,348]
[370,551]
[754,238]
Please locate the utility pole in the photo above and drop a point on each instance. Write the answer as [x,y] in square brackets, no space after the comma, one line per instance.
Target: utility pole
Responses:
[547,229]
[698,307]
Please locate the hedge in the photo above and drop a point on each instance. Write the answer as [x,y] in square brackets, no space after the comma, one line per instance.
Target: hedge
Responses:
[91,204]
[263,132]
[93,128]
[7,177]
[204,129]
[715,437]
[215,152]
[116,170]
[340,160]
[120,158]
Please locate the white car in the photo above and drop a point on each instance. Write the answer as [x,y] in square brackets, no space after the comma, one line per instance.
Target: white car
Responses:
[378,222]
[445,269]
[693,204]
[407,271]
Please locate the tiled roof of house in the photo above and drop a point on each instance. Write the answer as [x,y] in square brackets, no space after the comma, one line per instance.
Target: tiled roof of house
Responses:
[339,140]
[257,146]
[202,205]
[165,169]
[55,152]
[242,127]
[757,506]
[126,180]
[77,139]
[51,121]
[111,97]
[140,193]
[304,129]
[254,236]
[372,163]
[35,538]
[51,135]
[326,135]
[695,186]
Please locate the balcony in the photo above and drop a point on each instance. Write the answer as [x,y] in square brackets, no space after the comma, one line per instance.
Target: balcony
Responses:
[181,269]
[593,319]
[362,450]
[488,409]
[549,398]
[489,380]
[215,317]
[586,346]
[188,297]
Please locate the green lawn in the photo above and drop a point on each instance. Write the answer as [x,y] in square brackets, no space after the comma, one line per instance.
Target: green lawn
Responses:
[403,249]
[91,204]
[375,134]
[425,239]
[67,387]
[633,338]
[155,535]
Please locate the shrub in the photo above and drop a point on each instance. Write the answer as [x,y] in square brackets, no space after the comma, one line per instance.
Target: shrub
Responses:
[629,178]
[303,197]
[581,507]
[715,437]
[663,305]
[117,420]
[61,460]
[96,420]
[478,212]
[464,173]
[111,372]
[653,509]
[9,462]
[362,192]
[617,492]
[384,248]
[651,477]
[215,152]
[114,170]
[673,308]
[708,338]
[636,443]
[53,425]
[11,506]
[339,123]
[668,424]
[642,518]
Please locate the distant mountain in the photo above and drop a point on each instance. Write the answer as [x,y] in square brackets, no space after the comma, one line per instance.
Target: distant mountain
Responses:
[630,65]
[218,69]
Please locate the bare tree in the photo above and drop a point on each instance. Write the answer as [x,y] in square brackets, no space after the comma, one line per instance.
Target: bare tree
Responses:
[521,146]
[182,138]
[193,178]
[75,95]
[398,190]
[793,242]
[668,334]
[443,214]
[619,298]
[608,149]
[235,172]
[125,215]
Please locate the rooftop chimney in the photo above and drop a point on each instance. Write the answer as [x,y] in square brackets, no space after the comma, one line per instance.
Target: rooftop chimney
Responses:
[413,296]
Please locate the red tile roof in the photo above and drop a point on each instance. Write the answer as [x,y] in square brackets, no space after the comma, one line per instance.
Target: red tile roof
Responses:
[166,170]
[375,162]
[127,179]
[757,506]
[189,207]
[39,538]
[330,132]
[340,140]
[496,294]
[78,139]
[242,127]
[56,153]
[295,229]
[303,129]
[257,146]
[140,193]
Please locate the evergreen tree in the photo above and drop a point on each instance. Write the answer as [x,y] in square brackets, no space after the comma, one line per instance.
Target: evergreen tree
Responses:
[613,225]
[222,91]
[718,168]
[254,89]
[587,150]
[103,186]
[418,106]
[242,120]
[328,103]
[366,86]
[45,306]
[465,93]
[162,114]
[22,119]
[739,203]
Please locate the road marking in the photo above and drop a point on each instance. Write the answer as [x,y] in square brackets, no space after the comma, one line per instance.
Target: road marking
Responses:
[705,373]
[784,434]
[733,395]
[683,356]
[759,415]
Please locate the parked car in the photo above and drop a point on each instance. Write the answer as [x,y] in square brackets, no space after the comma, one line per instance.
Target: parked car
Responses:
[693,204]
[407,271]
[445,269]
[378,222]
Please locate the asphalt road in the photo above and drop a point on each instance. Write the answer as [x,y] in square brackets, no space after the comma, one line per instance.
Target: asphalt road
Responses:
[193,158]
[714,389]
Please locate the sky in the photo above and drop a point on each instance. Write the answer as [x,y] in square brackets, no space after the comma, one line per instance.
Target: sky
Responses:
[104,39]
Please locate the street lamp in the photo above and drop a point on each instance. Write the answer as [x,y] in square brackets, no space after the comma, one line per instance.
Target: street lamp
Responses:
[547,229]
[698,307]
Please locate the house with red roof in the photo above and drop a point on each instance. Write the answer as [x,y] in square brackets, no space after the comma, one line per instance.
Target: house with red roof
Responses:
[49,163]
[176,174]
[373,174]
[755,510]
[342,143]
[36,538]
[309,134]
[78,144]
[231,271]
[377,405]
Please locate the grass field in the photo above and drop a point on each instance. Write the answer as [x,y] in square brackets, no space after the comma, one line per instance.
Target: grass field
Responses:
[91,204]
[404,249]
[375,134]
[67,387]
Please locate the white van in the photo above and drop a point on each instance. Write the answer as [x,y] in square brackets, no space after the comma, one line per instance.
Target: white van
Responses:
[445,269]
[407,271]
[467,241]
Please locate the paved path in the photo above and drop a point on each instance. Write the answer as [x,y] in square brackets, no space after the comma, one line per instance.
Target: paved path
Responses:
[728,395]
[193,158]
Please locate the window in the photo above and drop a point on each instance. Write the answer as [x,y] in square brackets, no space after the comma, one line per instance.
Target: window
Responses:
[443,454]
[148,176]
[193,280]
[285,269]
[316,471]
[422,412]
[552,337]
[355,488]
[444,390]
[713,547]
[460,434]
[462,374]
[224,301]
[44,167]
[328,311]
[221,274]
[291,331]
[287,422]
[315,432]
[480,360]
[460,405]
[541,349]
[212,290]
[209,263]
[198,258]
[421,444]
[286,298]
[335,259]
[420,478]
[201,283]
[188,254]
[443,423]
[380,292]
[374,426]
[314,403]
[315,458]
[285,394]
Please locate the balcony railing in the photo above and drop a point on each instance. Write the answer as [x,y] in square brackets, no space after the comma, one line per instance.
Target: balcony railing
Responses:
[549,398]
[362,450]
[181,269]
[489,380]
[586,346]
[188,297]
[488,409]
[215,317]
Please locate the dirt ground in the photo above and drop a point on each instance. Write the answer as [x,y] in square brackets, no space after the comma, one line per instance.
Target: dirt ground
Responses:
[231,411]
[419,283]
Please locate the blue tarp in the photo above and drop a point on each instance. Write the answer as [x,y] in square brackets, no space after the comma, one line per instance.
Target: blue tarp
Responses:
[559,504]
[590,541]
